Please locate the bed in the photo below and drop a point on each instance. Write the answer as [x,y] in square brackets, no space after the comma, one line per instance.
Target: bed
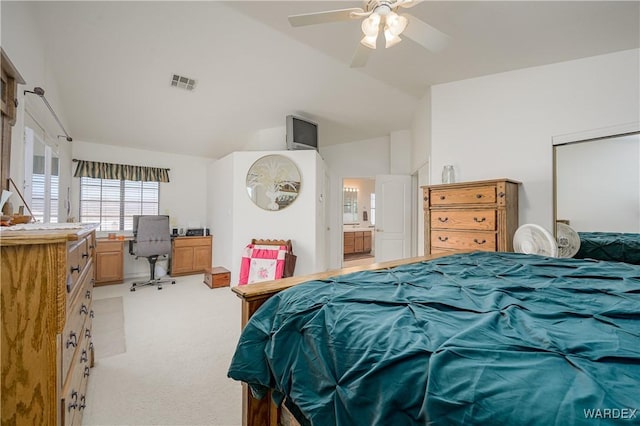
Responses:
[614,246]
[467,339]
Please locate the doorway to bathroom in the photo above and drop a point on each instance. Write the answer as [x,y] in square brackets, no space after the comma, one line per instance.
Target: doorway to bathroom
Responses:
[358,221]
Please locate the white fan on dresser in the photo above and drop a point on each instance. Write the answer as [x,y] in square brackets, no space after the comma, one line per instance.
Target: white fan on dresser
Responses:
[534,239]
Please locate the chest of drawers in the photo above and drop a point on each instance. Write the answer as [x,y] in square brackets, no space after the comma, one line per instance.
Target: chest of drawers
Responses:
[481,215]
[47,291]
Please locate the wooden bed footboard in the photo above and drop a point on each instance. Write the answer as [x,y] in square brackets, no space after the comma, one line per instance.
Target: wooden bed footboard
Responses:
[263,412]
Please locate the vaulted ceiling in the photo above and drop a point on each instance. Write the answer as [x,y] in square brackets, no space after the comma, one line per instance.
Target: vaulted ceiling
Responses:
[113,62]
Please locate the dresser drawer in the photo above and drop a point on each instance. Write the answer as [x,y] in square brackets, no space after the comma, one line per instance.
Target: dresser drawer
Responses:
[80,255]
[192,241]
[460,240]
[78,323]
[482,220]
[472,195]
[74,391]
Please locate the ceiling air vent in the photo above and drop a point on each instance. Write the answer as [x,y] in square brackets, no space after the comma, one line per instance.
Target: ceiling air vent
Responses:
[183,82]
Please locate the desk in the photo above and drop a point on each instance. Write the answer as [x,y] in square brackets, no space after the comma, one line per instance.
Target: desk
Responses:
[190,255]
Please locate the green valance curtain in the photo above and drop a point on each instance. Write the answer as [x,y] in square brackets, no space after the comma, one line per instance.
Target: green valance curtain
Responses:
[99,170]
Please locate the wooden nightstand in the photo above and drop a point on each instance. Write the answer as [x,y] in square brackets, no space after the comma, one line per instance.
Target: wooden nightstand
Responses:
[217,277]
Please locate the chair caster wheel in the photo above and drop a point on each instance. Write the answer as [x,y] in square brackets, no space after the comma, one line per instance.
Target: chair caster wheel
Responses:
[159,288]
[132,289]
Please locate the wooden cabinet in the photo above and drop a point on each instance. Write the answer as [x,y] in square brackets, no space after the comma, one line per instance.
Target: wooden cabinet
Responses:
[47,292]
[480,215]
[109,261]
[357,242]
[190,255]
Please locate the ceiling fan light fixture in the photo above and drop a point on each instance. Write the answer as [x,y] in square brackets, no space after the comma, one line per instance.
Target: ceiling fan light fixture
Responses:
[371,25]
[395,23]
[390,39]
[369,41]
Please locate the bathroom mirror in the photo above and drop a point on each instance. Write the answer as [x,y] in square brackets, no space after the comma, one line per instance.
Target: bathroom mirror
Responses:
[350,205]
[273,182]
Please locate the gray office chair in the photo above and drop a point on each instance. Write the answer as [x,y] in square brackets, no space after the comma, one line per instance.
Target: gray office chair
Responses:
[151,239]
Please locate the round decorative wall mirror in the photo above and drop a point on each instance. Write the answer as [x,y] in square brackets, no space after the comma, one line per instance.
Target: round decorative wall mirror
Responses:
[273,182]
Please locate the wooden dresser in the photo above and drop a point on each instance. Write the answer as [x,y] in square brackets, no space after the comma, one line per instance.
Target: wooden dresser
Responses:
[481,215]
[190,255]
[47,290]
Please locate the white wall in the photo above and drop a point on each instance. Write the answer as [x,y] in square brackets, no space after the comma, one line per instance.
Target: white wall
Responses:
[271,139]
[220,210]
[400,145]
[234,210]
[421,133]
[184,198]
[502,125]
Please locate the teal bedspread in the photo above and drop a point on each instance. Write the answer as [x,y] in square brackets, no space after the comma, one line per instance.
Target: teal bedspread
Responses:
[614,246]
[468,339]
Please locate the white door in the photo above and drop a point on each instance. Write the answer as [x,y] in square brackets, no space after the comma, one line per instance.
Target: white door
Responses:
[393,217]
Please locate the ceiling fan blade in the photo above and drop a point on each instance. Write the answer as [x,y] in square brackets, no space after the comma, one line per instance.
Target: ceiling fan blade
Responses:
[360,56]
[425,35]
[407,3]
[324,17]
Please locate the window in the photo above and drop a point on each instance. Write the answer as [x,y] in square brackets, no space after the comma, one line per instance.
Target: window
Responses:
[112,203]
[41,190]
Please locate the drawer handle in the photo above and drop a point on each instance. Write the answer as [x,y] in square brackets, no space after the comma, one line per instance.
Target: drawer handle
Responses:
[91,314]
[91,345]
[87,371]
[84,357]
[73,405]
[478,195]
[443,220]
[87,333]
[501,194]
[442,197]
[73,340]
[479,220]
[87,295]
[85,255]
[443,238]
[84,309]
[83,401]
[75,269]
[426,199]
[475,240]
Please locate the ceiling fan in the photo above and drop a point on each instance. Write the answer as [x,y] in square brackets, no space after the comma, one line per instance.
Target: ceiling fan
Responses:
[379,15]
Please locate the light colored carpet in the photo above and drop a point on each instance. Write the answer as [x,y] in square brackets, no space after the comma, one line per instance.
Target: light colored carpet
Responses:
[179,343]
